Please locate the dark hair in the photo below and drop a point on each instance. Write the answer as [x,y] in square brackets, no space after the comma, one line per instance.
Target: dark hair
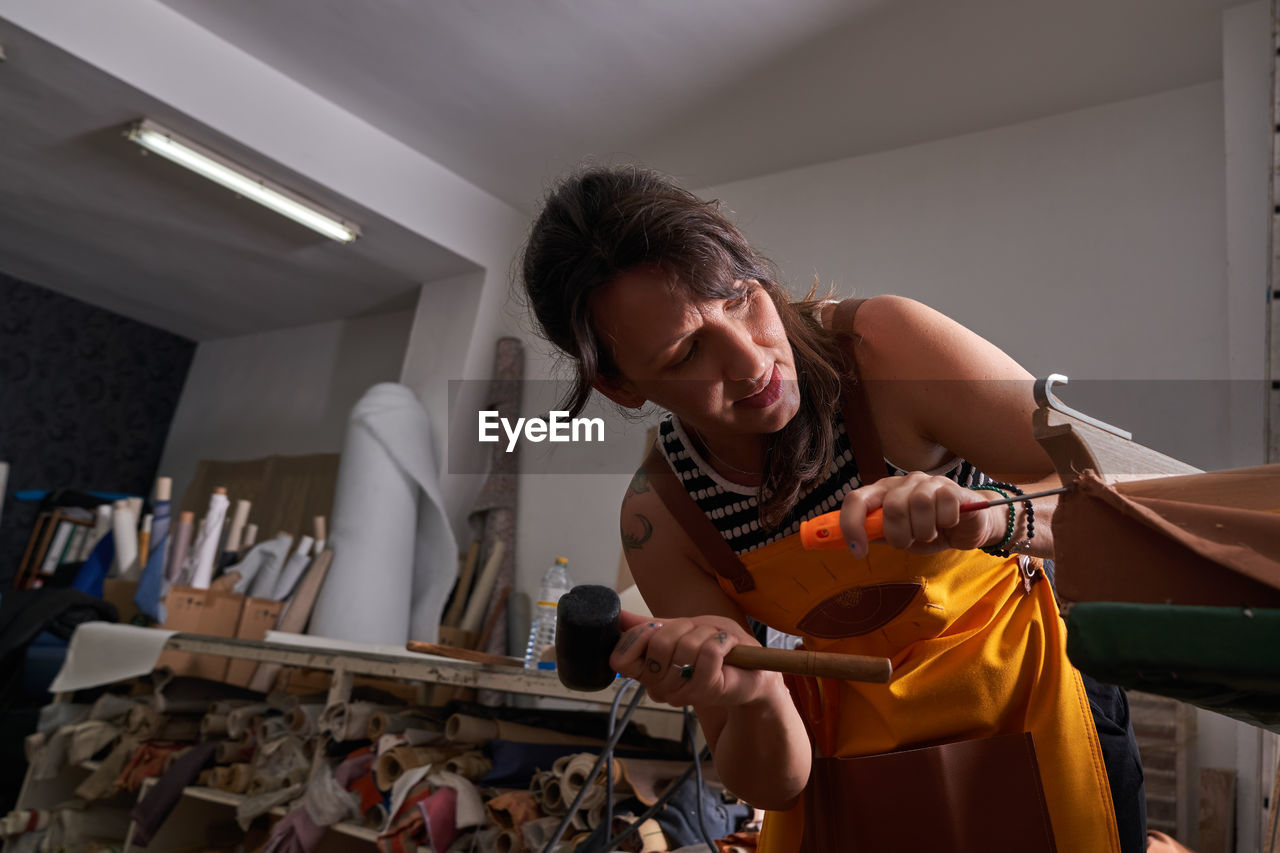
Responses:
[598,223]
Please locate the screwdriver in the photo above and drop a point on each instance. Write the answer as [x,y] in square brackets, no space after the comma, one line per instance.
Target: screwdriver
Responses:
[823,532]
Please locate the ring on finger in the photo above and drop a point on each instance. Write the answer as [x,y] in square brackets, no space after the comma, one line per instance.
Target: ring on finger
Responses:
[686,670]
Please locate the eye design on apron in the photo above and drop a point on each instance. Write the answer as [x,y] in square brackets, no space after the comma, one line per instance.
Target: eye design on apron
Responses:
[858,610]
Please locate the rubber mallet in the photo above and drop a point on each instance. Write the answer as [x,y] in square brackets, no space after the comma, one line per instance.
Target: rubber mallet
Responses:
[587,630]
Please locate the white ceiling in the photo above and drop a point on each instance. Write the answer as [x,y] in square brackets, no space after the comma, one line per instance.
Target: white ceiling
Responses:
[507,95]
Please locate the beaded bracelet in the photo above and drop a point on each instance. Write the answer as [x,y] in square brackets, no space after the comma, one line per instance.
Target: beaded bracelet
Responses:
[997,550]
[1000,549]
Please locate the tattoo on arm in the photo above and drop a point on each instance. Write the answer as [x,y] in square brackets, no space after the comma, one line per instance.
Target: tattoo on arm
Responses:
[632,541]
[627,642]
[721,637]
[639,485]
[654,666]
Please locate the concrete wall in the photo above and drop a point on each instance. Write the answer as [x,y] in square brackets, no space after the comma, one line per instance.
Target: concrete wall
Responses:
[285,392]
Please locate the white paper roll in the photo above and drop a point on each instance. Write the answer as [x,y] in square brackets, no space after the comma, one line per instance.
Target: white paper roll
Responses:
[394,555]
[205,552]
[124,530]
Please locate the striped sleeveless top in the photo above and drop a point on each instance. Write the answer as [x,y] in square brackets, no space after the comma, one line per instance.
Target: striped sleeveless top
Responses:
[733,508]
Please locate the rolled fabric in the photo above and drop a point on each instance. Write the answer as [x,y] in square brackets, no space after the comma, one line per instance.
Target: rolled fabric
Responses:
[195,696]
[395,556]
[387,722]
[259,804]
[235,533]
[509,841]
[142,720]
[241,776]
[647,778]
[553,801]
[347,720]
[578,767]
[391,765]
[226,706]
[536,833]
[303,719]
[478,603]
[147,598]
[102,781]
[264,559]
[213,725]
[292,571]
[89,738]
[280,757]
[231,751]
[175,727]
[493,512]
[596,811]
[173,757]
[579,822]
[180,548]
[469,765]
[510,809]
[204,554]
[50,753]
[468,729]
[241,720]
[270,728]
[538,783]
[221,778]
[124,529]
[250,537]
[260,785]
[111,708]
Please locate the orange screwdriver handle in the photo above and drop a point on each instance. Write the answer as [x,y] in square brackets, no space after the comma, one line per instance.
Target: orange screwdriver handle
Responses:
[823,532]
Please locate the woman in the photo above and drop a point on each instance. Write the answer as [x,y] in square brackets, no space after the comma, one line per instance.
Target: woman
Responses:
[782,410]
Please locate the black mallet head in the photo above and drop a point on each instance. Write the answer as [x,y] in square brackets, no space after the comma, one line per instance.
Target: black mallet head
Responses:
[586,632]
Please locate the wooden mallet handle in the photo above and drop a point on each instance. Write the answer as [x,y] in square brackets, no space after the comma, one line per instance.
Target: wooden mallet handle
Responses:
[587,630]
[818,664]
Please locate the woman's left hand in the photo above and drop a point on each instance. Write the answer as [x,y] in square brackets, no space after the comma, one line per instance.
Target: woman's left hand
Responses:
[921,515]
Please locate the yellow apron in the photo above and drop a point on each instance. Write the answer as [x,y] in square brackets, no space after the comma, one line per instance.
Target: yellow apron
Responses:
[978,649]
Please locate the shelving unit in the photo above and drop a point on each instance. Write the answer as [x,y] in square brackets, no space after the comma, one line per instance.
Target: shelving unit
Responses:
[209,814]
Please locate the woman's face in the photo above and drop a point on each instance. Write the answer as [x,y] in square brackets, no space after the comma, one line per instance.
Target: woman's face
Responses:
[723,365]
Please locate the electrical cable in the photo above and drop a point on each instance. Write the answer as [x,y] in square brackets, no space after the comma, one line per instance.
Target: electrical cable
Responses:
[608,763]
[657,806]
[697,769]
[605,752]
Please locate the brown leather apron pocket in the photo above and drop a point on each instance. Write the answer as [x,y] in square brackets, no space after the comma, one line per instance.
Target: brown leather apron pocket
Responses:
[974,796]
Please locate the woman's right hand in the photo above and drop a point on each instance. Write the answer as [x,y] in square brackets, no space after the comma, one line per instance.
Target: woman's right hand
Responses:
[658,652]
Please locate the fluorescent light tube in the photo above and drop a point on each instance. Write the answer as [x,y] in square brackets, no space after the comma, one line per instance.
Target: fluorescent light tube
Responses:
[240,180]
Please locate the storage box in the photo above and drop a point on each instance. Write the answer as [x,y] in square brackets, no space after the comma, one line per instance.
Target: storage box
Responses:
[200,611]
[257,617]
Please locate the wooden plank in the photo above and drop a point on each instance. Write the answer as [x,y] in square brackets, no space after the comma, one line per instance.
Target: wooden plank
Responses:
[406,666]
[1217,810]
[1074,446]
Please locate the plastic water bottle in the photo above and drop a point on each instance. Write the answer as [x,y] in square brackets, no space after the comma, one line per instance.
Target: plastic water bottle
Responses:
[542,633]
